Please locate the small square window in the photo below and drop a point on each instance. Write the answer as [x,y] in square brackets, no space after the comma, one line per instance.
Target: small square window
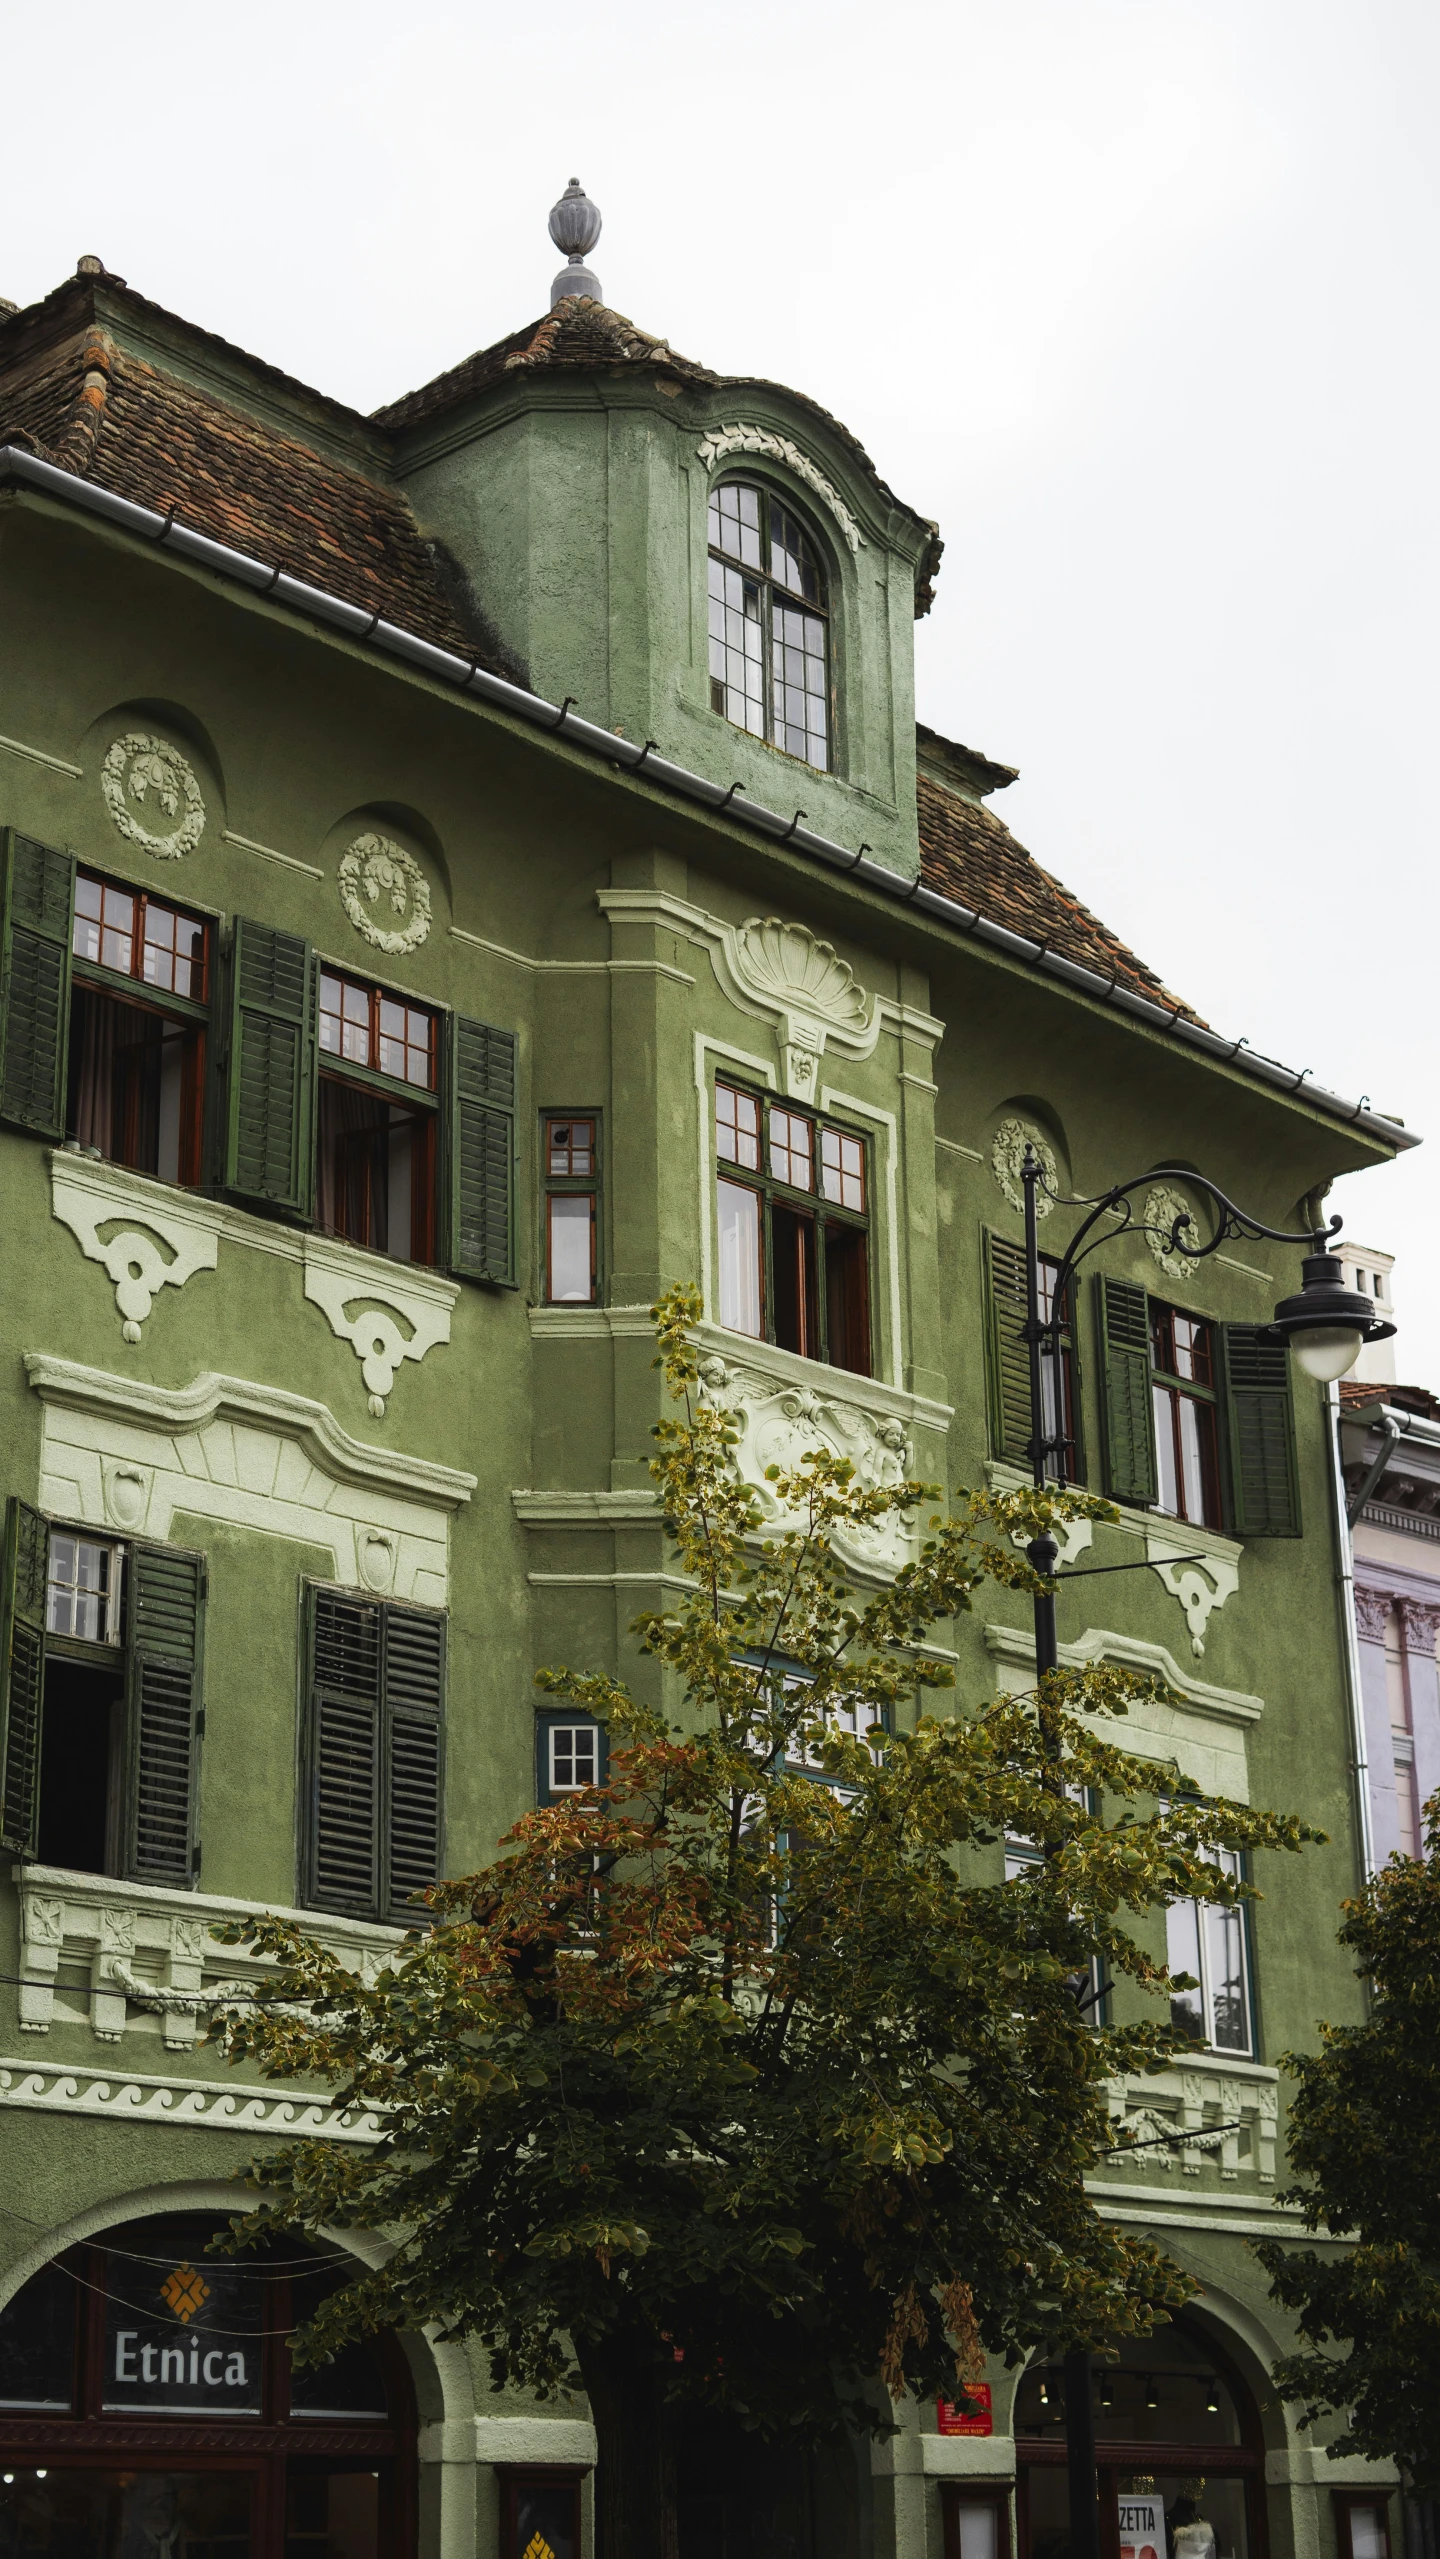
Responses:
[737,1127]
[842,1169]
[792,1150]
[571,1147]
[83,1597]
[571,1754]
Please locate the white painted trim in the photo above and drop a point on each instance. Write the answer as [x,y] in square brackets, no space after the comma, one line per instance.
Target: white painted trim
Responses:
[511,2439]
[573,968]
[874,1395]
[1203,1733]
[583,1323]
[831,1099]
[360,1294]
[268,853]
[37,755]
[631,1506]
[134,2096]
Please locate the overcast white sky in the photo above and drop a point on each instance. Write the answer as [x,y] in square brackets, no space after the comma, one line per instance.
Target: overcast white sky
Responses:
[1137,298]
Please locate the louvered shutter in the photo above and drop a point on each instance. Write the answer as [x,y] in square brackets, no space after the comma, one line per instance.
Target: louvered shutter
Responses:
[482,1151]
[39,897]
[1007,1354]
[1130,1469]
[1260,1434]
[414,1687]
[270,1099]
[343,1847]
[22,1669]
[164,1619]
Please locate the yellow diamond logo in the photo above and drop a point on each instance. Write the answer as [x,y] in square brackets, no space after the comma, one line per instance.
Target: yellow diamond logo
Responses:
[186,2292]
[537,2547]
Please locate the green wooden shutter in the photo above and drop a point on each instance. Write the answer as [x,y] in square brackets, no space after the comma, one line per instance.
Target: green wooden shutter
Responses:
[1131,1474]
[414,1692]
[39,895]
[1260,1434]
[270,1100]
[1007,1354]
[482,1151]
[22,1672]
[164,1627]
[342,1859]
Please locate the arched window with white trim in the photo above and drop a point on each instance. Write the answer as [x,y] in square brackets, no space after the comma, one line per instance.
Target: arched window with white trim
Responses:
[769,622]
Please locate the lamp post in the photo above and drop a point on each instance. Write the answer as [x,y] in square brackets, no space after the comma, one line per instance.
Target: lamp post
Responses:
[1324,1324]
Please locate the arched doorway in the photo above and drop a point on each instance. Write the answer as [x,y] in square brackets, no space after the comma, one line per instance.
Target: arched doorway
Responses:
[149,2408]
[1177,2439]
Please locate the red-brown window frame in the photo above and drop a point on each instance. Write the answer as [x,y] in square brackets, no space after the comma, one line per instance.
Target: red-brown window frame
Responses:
[1205,1394]
[1345,2502]
[333,1067]
[955,2493]
[812,1205]
[127,986]
[571,1186]
[553,2474]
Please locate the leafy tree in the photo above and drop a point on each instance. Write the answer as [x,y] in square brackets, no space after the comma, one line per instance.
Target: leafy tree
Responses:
[1364,2134]
[735,2082]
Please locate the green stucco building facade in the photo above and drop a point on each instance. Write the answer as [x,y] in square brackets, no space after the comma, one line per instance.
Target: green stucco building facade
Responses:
[464,870]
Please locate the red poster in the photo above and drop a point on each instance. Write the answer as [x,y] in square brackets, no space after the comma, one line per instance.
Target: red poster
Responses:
[973,2417]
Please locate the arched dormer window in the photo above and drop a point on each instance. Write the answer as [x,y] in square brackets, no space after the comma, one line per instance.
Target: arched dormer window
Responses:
[769,633]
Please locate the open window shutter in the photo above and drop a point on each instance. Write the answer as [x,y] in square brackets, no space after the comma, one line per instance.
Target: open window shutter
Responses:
[164,1622]
[22,1669]
[342,1848]
[1007,1355]
[414,1676]
[39,886]
[270,1100]
[1131,1474]
[482,1151]
[1260,1432]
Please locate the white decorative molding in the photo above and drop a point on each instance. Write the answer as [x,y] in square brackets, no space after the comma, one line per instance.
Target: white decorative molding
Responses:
[267,853]
[537,2438]
[1163,1206]
[150,1960]
[598,1323]
[741,437]
[782,1405]
[1198,1727]
[632,1506]
[781,972]
[227,1448]
[154,1221]
[132,2096]
[1200,1587]
[1206,2110]
[376,873]
[1007,1154]
[37,755]
[138,765]
[361,1295]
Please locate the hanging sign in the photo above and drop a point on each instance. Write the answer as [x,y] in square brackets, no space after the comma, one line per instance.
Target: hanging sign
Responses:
[1142,2527]
[973,2416]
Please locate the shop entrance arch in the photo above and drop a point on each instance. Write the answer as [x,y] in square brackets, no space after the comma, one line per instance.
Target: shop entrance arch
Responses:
[150,2408]
[1179,2452]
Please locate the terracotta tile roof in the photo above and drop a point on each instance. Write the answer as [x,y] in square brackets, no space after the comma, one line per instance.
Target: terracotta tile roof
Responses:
[1405,1399]
[966,852]
[582,336]
[74,395]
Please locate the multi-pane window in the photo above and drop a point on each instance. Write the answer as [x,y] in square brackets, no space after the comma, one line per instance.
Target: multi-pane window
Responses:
[136,1071]
[1182,1358]
[1210,1941]
[1009,1363]
[793,1237]
[1089,1988]
[572,1200]
[376,1133]
[83,1590]
[570,1753]
[769,646]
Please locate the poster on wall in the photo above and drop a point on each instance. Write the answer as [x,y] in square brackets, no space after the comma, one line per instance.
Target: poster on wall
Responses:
[972,2416]
[1142,2527]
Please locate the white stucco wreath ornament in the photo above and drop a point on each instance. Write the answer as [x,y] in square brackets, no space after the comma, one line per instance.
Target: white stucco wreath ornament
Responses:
[379,877]
[1007,1155]
[147,769]
[1163,1209]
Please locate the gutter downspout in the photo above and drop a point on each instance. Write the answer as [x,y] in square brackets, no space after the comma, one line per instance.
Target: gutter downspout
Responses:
[1392,1435]
[623,755]
[1360,1756]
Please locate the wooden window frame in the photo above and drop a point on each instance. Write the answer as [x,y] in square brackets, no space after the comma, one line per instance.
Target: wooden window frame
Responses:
[571,1186]
[955,2493]
[130,987]
[422,1101]
[1344,2502]
[515,2475]
[826,1214]
[1177,1389]
[773,592]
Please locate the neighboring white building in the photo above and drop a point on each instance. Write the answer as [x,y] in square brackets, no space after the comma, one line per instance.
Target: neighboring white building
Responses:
[1390,1460]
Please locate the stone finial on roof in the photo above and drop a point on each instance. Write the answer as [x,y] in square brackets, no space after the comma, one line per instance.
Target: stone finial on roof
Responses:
[575,228]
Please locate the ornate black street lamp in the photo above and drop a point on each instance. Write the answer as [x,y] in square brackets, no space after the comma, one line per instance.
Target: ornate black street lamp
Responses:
[1324,1324]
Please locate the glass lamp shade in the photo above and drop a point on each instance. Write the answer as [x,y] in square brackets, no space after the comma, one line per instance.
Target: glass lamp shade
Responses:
[1327,1351]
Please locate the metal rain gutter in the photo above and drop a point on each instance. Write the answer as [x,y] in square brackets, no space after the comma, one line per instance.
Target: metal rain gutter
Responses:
[470,677]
